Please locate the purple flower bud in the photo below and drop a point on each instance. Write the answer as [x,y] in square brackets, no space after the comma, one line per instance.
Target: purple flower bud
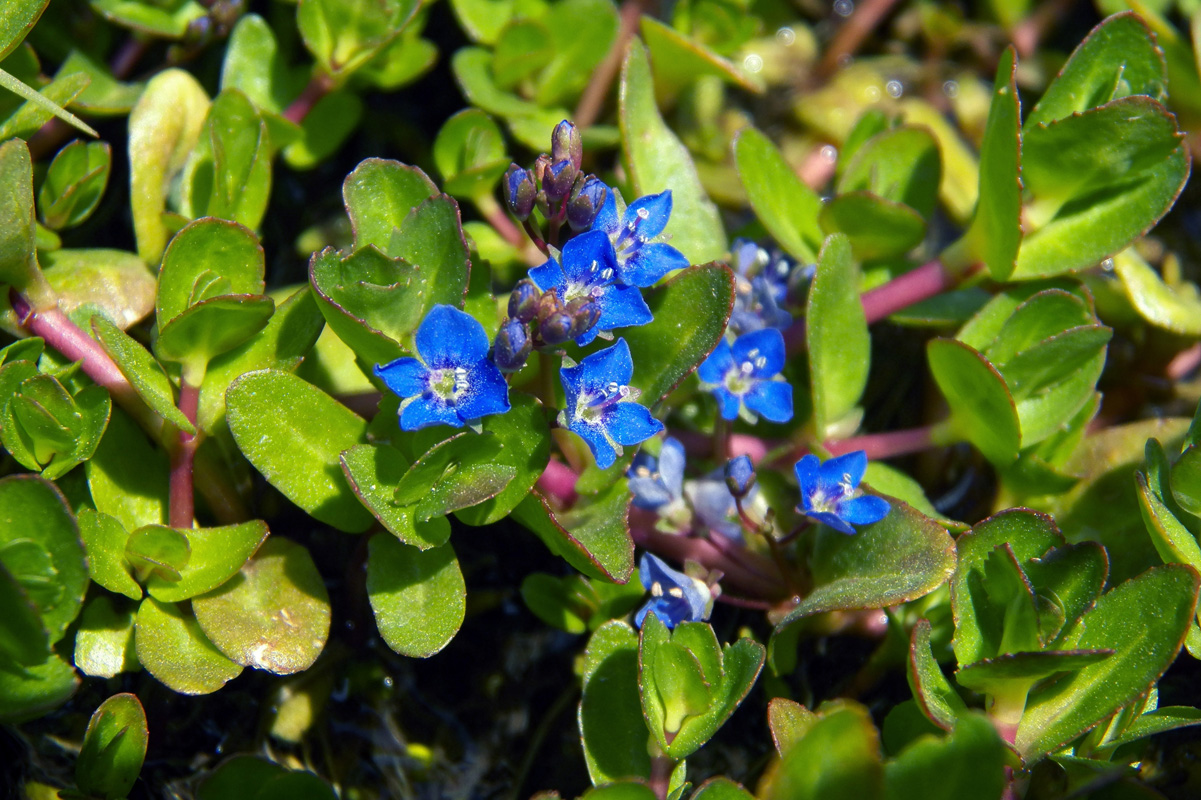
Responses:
[513,345]
[557,328]
[523,300]
[557,180]
[540,166]
[519,191]
[585,313]
[582,208]
[566,144]
[740,475]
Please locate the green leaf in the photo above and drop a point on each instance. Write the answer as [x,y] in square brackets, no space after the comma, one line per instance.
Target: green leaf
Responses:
[783,203]
[164,127]
[114,747]
[18,258]
[934,694]
[995,232]
[1027,667]
[166,20]
[981,409]
[173,648]
[288,337]
[431,238]
[104,95]
[127,477]
[659,161]
[374,471]
[612,730]
[157,550]
[418,596]
[523,48]
[343,35]
[1173,308]
[229,173]
[253,65]
[904,556]
[469,152]
[1117,59]
[293,433]
[877,228]
[969,764]
[721,789]
[482,20]
[900,165]
[837,759]
[74,183]
[40,107]
[32,509]
[679,684]
[16,20]
[1186,480]
[788,721]
[1144,644]
[581,33]
[143,372]
[1175,543]
[212,327]
[836,332]
[1161,720]
[690,315]
[455,473]
[216,555]
[680,61]
[524,439]
[273,615]
[104,642]
[1067,582]
[115,282]
[23,638]
[332,119]
[30,692]
[367,301]
[529,123]
[593,536]
[209,258]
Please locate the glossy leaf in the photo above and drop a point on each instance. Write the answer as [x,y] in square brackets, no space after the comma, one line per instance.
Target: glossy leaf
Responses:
[127,477]
[212,327]
[877,228]
[900,165]
[143,372]
[380,195]
[273,615]
[116,282]
[659,161]
[23,638]
[74,183]
[789,722]
[611,726]
[114,747]
[469,152]
[158,550]
[167,20]
[209,258]
[18,260]
[418,596]
[173,648]
[969,764]
[18,18]
[455,473]
[104,642]
[31,692]
[787,207]
[836,333]
[293,433]
[837,759]
[680,60]
[691,311]
[524,440]
[374,471]
[981,409]
[593,536]
[343,36]
[934,694]
[216,555]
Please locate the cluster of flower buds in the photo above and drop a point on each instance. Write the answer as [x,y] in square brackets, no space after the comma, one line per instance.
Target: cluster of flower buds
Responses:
[556,186]
[540,319]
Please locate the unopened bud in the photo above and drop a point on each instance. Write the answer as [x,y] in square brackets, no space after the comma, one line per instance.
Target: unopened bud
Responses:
[557,180]
[540,166]
[519,189]
[557,328]
[740,476]
[585,313]
[585,203]
[566,144]
[523,300]
[513,345]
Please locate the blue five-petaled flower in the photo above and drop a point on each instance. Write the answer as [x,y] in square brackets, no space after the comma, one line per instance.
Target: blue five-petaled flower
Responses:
[830,493]
[589,269]
[744,373]
[675,597]
[656,482]
[640,261]
[451,382]
[600,405]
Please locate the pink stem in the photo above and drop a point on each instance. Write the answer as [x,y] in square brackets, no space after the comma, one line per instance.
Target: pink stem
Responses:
[905,290]
[885,445]
[738,444]
[181,508]
[598,86]
[818,168]
[558,480]
[1184,362]
[317,88]
[853,32]
[127,56]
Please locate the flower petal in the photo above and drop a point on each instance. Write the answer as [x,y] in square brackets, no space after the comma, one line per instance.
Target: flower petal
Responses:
[488,392]
[631,423]
[650,263]
[807,477]
[606,219]
[423,412]
[771,400]
[864,510]
[450,337]
[648,215]
[597,371]
[714,368]
[621,307]
[405,376]
[851,465]
[671,465]
[594,436]
[831,520]
[549,276]
[762,349]
[728,403]
[589,259]
[712,501]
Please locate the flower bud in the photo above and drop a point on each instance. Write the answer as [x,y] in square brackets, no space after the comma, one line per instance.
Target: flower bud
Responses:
[566,144]
[513,345]
[557,328]
[585,203]
[557,180]
[740,476]
[540,166]
[523,300]
[519,189]
[585,313]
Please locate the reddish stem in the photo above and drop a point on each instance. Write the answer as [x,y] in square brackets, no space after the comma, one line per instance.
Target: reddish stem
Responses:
[1183,363]
[181,508]
[885,445]
[850,36]
[558,481]
[318,87]
[127,56]
[903,291]
[818,167]
[594,94]
[738,444]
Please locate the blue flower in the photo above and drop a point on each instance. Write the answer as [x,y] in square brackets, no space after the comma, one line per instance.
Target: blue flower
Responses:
[714,505]
[451,382]
[600,408]
[656,482]
[640,261]
[830,493]
[675,597]
[744,374]
[589,270]
[740,475]
[760,286]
